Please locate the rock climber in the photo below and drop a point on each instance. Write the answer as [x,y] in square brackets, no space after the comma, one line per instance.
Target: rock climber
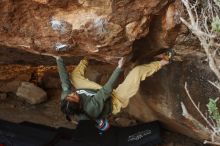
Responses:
[89,100]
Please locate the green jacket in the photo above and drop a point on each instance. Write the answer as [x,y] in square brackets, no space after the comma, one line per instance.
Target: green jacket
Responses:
[96,103]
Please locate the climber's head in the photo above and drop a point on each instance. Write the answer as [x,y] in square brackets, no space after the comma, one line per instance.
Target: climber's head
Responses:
[71,105]
[73,97]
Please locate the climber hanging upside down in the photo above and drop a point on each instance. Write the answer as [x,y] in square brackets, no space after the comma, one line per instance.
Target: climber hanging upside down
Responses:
[89,100]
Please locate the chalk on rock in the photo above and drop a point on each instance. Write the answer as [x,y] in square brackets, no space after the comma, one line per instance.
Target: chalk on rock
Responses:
[31,93]
[61,47]
[58,25]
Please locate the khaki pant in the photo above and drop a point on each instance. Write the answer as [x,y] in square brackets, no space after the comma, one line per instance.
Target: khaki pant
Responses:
[127,89]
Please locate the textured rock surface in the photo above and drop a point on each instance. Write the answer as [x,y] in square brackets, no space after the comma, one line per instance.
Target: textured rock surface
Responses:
[162,94]
[102,29]
[50,80]
[3,96]
[10,86]
[174,139]
[159,96]
[31,93]
[11,77]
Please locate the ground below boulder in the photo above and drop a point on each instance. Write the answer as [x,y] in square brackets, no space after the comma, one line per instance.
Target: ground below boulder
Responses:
[158,99]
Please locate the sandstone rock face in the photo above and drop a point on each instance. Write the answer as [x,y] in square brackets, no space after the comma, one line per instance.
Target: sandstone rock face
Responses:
[3,96]
[11,86]
[92,74]
[50,80]
[41,1]
[162,94]
[12,76]
[31,93]
[106,30]
[125,122]
[101,29]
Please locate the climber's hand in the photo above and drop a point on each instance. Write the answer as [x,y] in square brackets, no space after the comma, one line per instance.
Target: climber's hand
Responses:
[121,62]
[56,57]
[164,62]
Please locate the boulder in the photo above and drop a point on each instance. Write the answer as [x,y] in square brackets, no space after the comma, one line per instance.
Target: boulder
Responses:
[41,1]
[101,29]
[10,86]
[105,30]
[125,122]
[50,80]
[31,93]
[11,77]
[3,96]
[13,84]
[92,74]
[161,95]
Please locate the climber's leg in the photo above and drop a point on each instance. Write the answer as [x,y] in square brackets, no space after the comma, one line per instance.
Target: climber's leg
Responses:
[78,79]
[130,85]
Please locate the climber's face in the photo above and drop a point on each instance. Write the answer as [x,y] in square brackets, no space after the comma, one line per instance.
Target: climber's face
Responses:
[73,97]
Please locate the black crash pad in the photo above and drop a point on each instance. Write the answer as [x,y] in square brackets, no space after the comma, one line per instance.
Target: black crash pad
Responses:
[12,134]
[29,134]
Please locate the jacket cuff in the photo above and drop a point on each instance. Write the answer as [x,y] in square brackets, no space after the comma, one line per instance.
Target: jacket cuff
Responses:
[118,70]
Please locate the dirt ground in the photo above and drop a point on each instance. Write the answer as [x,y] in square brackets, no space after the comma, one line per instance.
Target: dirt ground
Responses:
[48,113]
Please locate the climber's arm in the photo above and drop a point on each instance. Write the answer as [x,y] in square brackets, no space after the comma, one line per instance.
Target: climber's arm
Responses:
[97,102]
[64,77]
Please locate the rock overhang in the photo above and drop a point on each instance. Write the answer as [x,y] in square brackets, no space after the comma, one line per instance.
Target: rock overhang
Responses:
[102,30]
